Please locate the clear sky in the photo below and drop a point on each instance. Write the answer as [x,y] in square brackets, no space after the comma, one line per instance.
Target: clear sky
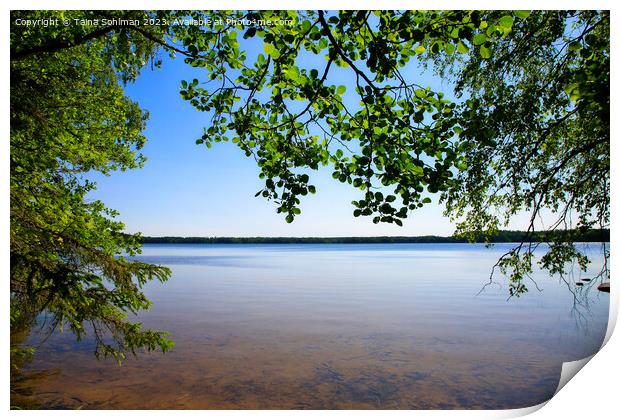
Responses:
[186,189]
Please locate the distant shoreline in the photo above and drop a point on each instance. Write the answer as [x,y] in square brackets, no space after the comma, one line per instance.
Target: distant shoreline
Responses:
[499,237]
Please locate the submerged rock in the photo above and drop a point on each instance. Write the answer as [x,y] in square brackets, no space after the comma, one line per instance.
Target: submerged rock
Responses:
[604,287]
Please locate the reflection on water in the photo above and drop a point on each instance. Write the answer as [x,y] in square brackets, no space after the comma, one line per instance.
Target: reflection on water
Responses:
[335,326]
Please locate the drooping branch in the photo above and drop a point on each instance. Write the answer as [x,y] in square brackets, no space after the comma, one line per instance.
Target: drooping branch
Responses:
[342,55]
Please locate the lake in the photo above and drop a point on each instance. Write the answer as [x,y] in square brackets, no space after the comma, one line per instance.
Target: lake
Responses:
[335,326]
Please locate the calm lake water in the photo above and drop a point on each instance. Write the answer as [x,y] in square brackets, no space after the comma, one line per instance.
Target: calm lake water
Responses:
[388,326]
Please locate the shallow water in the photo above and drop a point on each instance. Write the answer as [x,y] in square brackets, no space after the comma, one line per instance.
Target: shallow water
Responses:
[390,326]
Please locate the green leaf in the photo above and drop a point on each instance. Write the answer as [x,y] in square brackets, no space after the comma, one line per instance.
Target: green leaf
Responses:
[250,32]
[506,21]
[450,48]
[573,91]
[462,48]
[419,49]
[272,51]
[485,52]
[479,39]
[522,14]
[293,74]
[341,90]
[418,170]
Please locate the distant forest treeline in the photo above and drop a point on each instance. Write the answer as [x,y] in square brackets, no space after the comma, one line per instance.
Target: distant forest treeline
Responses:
[599,235]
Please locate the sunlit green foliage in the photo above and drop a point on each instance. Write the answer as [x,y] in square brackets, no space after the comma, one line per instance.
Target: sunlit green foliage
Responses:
[529,130]
[535,135]
[69,117]
[399,134]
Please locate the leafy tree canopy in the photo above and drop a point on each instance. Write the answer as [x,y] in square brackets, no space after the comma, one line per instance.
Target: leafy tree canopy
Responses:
[527,130]
[69,116]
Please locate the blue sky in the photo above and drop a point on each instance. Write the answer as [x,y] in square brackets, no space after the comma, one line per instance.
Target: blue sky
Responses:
[186,189]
